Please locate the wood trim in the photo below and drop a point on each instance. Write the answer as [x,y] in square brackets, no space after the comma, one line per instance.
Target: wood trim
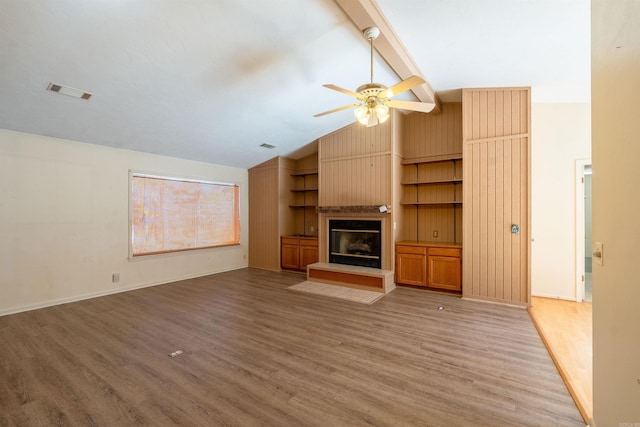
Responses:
[374,209]
[499,138]
[360,156]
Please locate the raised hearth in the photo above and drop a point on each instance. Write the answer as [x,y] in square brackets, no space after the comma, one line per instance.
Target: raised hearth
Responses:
[373,279]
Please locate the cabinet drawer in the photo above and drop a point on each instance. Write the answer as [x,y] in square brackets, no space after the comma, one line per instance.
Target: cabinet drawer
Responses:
[453,252]
[290,241]
[309,242]
[418,250]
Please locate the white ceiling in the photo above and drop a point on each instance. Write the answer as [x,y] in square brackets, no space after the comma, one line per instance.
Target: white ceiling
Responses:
[211,80]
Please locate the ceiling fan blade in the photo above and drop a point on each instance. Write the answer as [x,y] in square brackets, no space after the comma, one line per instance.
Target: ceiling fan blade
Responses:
[343,90]
[335,110]
[424,107]
[404,85]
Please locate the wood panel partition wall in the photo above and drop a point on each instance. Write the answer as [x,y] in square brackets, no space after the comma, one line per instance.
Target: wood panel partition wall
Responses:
[356,168]
[496,146]
[269,216]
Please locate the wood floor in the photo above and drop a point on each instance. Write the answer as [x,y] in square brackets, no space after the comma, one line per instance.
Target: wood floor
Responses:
[255,353]
[566,329]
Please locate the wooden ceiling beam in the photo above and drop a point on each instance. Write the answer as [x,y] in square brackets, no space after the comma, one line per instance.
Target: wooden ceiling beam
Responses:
[366,13]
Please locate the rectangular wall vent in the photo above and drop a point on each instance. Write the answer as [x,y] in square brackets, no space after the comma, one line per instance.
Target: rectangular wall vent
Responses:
[269,146]
[70,91]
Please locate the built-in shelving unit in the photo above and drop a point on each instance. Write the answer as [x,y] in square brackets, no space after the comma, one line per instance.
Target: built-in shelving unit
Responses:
[304,199]
[433,182]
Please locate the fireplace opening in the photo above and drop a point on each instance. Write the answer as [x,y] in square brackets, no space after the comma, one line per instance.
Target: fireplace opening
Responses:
[355,242]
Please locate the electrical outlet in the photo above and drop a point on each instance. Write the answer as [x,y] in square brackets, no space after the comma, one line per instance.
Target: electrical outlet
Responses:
[175,353]
[115,277]
[312,229]
[435,233]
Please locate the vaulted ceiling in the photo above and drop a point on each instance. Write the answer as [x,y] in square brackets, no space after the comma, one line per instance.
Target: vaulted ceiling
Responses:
[212,80]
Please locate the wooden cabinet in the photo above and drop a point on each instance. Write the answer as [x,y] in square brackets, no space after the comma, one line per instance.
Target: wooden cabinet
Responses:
[411,265]
[433,265]
[298,252]
[308,253]
[444,268]
[290,253]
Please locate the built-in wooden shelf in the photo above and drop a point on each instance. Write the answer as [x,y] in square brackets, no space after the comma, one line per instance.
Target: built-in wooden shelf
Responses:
[450,202]
[433,159]
[304,198]
[441,181]
[433,183]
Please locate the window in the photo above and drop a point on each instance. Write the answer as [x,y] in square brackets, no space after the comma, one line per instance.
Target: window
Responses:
[173,214]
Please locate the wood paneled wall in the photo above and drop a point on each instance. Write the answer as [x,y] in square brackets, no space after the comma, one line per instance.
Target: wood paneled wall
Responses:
[355,166]
[496,135]
[431,136]
[264,214]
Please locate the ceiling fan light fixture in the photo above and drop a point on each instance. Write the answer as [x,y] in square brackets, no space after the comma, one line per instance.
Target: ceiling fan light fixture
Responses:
[362,113]
[373,103]
[382,111]
[373,120]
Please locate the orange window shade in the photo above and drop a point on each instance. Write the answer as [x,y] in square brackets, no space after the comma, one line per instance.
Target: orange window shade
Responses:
[170,215]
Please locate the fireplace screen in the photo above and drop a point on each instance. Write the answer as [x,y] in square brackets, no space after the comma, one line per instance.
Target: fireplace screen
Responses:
[355,242]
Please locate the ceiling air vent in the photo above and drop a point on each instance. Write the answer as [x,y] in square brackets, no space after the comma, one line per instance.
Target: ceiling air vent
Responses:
[66,90]
[269,146]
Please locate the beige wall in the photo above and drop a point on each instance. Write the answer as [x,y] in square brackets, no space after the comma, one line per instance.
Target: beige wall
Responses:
[64,221]
[560,136]
[615,71]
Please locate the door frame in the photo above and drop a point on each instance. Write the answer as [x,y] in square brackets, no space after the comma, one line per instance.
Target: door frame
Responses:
[580,225]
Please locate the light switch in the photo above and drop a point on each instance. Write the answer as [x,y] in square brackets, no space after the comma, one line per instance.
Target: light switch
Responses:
[597,253]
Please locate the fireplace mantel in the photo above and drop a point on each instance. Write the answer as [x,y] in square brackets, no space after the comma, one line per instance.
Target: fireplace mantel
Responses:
[382,208]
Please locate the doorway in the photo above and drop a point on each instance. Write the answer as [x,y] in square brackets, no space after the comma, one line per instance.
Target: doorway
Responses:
[584,283]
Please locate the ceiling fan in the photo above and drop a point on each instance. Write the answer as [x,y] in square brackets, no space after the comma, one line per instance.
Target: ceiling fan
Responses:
[373,98]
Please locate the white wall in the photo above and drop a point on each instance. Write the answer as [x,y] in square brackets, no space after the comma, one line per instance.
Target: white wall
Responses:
[561,134]
[615,71]
[64,221]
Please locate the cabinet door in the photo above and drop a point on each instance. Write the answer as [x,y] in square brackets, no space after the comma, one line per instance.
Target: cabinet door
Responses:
[444,272]
[290,257]
[308,255]
[411,269]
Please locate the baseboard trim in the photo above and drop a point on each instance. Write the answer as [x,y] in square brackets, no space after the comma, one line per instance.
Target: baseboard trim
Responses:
[566,298]
[67,300]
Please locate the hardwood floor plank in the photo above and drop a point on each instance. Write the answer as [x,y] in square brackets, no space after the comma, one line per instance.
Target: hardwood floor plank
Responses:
[566,327]
[255,353]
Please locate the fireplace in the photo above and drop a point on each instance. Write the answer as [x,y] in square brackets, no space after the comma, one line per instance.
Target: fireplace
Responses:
[355,242]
